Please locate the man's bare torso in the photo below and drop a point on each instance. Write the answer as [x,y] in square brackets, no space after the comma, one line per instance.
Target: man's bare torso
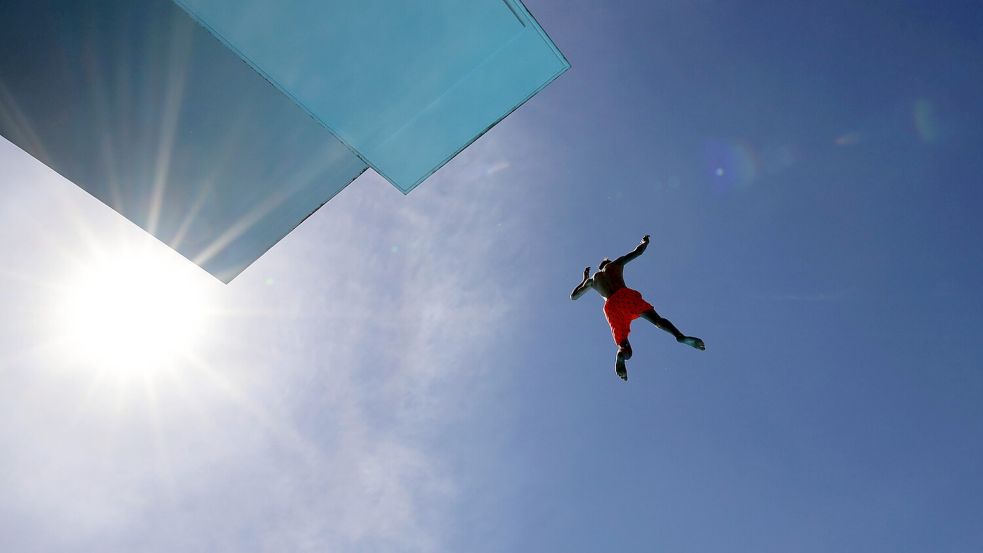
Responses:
[609,280]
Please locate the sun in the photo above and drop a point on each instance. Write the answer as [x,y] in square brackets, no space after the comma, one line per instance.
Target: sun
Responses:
[131,313]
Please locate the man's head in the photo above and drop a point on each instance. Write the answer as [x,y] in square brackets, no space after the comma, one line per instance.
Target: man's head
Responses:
[604,262]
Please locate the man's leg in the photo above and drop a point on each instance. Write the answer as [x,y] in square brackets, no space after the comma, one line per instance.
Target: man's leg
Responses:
[654,318]
[624,353]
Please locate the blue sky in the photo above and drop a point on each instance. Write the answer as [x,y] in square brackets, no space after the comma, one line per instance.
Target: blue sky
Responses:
[408,373]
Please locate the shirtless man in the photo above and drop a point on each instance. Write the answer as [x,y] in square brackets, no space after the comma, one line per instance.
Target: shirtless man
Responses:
[622,305]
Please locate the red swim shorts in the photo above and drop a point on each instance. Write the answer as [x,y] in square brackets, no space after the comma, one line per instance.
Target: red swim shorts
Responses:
[623,307]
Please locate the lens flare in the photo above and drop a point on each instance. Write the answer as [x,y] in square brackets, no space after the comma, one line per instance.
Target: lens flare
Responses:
[926,122]
[847,139]
[732,164]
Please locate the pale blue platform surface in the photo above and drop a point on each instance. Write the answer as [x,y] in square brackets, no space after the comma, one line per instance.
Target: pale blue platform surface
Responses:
[406,83]
[219,125]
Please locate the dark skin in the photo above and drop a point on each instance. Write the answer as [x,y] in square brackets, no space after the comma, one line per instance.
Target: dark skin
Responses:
[608,279]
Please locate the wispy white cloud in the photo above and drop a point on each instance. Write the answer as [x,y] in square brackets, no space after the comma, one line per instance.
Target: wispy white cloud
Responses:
[311,421]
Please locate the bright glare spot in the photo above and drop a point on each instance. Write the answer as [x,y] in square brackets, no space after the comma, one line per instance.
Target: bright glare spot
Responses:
[720,171]
[130,314]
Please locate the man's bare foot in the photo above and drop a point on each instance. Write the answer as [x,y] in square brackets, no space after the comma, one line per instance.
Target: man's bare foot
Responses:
[692,342]
[622,371]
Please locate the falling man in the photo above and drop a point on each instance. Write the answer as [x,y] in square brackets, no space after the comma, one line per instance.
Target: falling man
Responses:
[622,305]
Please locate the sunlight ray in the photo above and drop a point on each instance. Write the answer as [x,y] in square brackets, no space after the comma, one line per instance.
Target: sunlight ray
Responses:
[224,156]
[162,454]
[177,60]
[11,112]
[96,81]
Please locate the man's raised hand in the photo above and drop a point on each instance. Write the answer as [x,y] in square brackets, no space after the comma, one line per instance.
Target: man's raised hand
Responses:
[587,273]
[645,239]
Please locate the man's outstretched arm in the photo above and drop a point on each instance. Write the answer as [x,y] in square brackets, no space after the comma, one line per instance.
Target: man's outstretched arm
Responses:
[639,249]
[584,286]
